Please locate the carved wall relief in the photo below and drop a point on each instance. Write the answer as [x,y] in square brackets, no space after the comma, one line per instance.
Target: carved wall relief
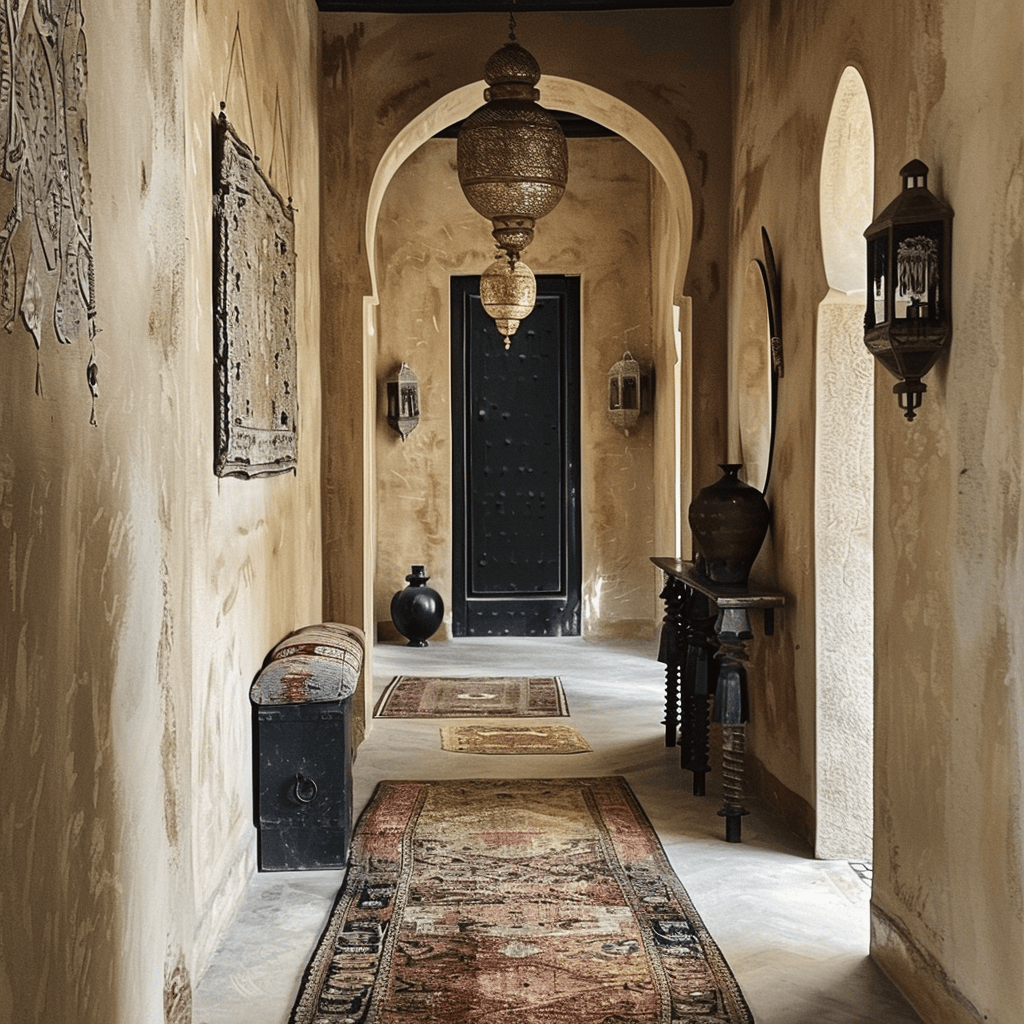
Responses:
[46,261]
[255,401]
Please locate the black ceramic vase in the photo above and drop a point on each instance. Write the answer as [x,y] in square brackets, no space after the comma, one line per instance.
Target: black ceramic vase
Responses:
[418,610]
[729,520]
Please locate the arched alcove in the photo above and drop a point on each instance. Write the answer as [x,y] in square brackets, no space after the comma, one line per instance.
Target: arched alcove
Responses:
[844,484]
[671,213]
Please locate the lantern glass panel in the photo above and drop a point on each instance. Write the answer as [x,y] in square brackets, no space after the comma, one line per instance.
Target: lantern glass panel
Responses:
[630,392]
[918,256]
[614,398]
[877,259]
[410,400]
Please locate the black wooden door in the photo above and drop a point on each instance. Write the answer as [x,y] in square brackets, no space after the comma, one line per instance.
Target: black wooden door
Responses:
[515,466]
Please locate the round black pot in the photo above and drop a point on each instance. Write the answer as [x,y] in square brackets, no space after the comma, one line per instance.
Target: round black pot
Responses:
[417,610]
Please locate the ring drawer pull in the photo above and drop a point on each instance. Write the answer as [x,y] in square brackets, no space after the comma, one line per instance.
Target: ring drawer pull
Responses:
[305,789]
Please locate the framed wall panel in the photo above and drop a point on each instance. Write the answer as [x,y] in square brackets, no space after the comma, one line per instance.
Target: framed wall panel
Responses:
[255,395]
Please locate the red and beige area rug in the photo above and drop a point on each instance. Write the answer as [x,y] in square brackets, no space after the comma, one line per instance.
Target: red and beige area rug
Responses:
[514,902]
[513,739]
[473,697]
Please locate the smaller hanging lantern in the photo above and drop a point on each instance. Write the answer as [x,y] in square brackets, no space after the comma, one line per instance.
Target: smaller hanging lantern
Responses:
[624,392]
[403,392]
[508,291]
[908,321]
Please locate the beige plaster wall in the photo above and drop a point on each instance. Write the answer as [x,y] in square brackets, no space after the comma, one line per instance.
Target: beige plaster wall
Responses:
[944,85]
[380,73]
[141,592]
[600,231]
[254,557]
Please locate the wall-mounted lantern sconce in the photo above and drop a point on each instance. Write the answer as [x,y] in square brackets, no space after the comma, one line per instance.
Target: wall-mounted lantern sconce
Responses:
[908,321]
[403,390]
[624,392]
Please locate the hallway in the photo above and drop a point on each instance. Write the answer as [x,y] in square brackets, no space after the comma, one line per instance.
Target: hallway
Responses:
[794,930]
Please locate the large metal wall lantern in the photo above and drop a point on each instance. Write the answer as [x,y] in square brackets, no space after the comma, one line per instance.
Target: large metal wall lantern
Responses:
[908,321]
[624,392]
[403,393]
[513,164]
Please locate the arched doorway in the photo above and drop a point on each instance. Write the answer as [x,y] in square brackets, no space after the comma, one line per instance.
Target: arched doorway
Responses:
[844,484]
[671,211]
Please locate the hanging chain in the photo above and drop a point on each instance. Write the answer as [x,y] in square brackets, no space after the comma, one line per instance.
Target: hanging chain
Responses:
[512,21]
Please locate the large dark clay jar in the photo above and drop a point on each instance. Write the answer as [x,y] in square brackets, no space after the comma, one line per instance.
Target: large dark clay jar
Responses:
[729,520]
[418,610]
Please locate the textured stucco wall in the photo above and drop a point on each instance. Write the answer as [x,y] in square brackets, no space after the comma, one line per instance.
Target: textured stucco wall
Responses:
[379,73]
[844,488]
[844,512]
[141,592]
[254,559]
[599,231]
[944,83]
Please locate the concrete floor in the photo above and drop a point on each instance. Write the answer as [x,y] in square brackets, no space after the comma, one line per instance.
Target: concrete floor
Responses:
[794,930]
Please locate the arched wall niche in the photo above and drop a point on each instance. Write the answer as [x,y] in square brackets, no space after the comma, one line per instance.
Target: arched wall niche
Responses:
[670,310]
[847,184]
[844,487]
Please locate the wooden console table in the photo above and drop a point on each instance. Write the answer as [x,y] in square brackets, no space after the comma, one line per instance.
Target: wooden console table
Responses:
[707,622]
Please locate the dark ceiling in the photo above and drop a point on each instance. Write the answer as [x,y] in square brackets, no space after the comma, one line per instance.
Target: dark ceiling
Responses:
[500,6]
[573,125]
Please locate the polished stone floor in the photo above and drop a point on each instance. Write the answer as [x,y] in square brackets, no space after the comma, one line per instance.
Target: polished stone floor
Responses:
[794,929]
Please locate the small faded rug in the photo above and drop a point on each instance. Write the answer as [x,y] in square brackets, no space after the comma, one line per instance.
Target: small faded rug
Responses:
[513,739]
[513,902]
[473,697]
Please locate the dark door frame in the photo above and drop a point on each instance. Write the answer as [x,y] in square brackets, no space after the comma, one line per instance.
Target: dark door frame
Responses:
[560,614]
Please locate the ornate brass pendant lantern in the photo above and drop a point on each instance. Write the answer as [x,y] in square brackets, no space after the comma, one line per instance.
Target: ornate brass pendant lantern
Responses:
[512,156]
[513,164]
[908,321]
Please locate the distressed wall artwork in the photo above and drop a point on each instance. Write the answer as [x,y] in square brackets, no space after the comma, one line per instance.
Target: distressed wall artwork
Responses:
[46,260]
[255,400]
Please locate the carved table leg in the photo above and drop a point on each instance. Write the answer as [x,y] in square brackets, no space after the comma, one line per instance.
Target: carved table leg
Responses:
[731,709]
[695,745]
[671,703]
[670,652]
[697,684]
[734,741]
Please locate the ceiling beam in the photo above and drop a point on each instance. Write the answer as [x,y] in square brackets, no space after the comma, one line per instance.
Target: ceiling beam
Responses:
[495,7]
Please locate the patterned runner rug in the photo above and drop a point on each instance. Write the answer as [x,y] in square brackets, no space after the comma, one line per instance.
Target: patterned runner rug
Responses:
[513,902]
[473,697]
[513,739]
